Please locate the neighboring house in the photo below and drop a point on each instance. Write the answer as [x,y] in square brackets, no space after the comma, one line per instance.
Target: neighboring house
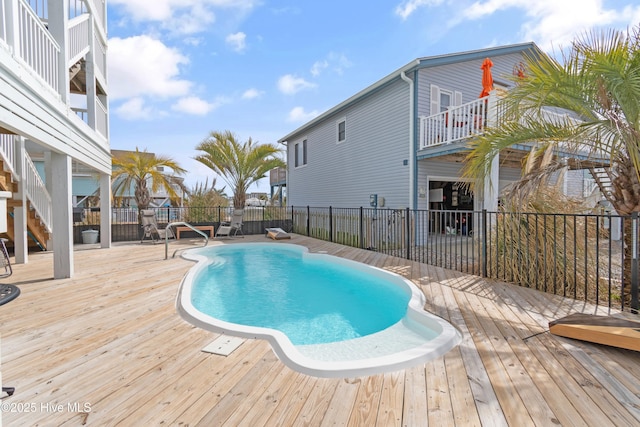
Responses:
[85,184]
[404,138]
[54,110]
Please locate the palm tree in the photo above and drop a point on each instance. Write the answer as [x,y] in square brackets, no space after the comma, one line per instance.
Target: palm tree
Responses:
[138,169]
[597,89]
[240,164]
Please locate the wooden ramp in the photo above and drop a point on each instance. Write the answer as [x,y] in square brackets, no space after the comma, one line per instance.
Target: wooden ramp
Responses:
[599,329]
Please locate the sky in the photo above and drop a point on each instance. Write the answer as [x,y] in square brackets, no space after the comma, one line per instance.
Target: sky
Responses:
[180,69]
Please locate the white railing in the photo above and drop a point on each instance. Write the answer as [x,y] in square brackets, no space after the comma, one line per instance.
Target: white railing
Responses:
[37,193]
[98,8]
[3,25]
[455,124]
[100,55]
[101,118]
[78,38]
[77,8]
[37,47]
[9,154]
[34,188]
[40,8]
[82,113]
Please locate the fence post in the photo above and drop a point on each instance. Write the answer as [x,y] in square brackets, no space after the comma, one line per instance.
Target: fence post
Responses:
[361,227]
[408,233]
[330,224]
[292,219]
[484,243]
[634,263]
[308,220]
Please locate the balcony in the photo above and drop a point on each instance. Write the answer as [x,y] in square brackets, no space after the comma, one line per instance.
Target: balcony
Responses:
[457,123]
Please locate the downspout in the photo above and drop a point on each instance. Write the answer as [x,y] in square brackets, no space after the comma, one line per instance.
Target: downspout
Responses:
[412,151]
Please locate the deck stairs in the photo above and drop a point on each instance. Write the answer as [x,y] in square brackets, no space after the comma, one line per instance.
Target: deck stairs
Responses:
[602,182]
[38,228]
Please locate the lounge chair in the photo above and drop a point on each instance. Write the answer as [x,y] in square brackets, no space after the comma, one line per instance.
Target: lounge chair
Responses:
[277,233]
[150,227]
[233,227]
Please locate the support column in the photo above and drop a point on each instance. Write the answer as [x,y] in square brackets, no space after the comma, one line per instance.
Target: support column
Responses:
[491,187]
[105,211]
[62,216]
[20,242]
[58,16]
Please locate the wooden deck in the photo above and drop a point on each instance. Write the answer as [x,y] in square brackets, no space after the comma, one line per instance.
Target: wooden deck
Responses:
[107,348]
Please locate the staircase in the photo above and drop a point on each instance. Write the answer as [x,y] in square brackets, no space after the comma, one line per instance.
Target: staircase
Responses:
[38,201]
[602,180]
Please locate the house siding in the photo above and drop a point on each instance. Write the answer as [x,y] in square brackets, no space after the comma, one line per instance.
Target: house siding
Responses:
[376,157]
[464,77]
[369,161]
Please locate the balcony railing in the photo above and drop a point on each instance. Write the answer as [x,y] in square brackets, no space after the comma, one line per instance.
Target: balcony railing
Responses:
[37,47]
[78,38]
[455,124]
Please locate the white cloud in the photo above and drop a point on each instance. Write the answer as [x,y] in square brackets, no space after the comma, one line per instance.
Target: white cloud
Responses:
[550,23]
[182,16]
[252,94]
[318,67]
[237,41]
[161,10]
[134,109]
[546,20]
[143,66]
[297,114]
[193,105]
[407,7]
[335,62]
[290,84]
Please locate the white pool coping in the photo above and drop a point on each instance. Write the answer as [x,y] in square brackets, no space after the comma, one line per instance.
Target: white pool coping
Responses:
[392,349]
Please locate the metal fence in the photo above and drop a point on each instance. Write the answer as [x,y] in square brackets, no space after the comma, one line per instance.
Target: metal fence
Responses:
[587,257]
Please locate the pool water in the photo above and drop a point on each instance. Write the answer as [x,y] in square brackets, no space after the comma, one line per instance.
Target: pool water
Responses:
[322,315]
[312,301]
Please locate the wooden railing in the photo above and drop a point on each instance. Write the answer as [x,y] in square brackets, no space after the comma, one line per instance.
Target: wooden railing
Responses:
[455,124]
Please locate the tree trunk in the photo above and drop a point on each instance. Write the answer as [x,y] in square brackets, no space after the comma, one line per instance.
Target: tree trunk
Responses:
[239,199]
[625,199]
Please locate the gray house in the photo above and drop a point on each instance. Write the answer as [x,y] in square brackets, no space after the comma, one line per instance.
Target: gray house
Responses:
[402,140]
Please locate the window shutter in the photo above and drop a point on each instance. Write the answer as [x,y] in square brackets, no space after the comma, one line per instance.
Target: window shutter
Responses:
[457,98]
[435,99]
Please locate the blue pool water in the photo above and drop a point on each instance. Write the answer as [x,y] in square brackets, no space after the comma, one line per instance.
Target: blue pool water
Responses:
[310,300]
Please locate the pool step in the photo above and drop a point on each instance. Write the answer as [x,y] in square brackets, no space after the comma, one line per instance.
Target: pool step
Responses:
[223,345]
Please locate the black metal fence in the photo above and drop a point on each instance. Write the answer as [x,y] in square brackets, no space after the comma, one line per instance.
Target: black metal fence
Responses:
[582,256]
[587,257]
[125,225]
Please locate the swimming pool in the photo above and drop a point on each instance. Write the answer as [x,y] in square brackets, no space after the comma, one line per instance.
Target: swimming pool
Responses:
[323,315]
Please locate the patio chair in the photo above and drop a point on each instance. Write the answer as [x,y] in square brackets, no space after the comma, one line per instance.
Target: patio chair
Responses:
[277,233]
[150,227]
[231,228]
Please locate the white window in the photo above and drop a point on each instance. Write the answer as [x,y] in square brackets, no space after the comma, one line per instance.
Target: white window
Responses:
[442,99]
[445,100]
[296,150]
[341,130]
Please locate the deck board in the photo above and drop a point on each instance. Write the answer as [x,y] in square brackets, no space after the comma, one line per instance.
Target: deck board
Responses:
[110,337]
